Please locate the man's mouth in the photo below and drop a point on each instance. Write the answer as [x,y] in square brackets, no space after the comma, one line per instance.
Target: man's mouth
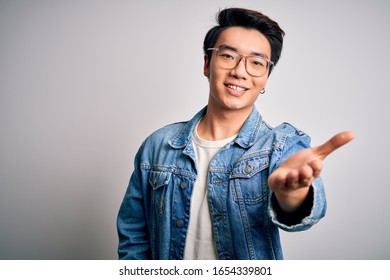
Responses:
[236,88]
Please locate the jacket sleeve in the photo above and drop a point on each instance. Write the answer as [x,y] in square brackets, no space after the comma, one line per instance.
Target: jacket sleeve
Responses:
[133,233]
[314,207]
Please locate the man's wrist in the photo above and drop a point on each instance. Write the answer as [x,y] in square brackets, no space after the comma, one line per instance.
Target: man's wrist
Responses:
[290,201]
[295,216]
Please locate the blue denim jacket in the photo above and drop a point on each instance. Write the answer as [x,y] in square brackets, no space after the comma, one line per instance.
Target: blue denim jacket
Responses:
[154,215]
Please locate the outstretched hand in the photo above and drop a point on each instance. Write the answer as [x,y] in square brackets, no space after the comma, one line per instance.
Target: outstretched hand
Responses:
[291,181]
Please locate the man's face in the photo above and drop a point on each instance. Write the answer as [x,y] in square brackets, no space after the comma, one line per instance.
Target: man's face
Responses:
[235,89]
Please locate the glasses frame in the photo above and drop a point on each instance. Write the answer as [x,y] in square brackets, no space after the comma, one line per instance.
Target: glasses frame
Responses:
[269,62]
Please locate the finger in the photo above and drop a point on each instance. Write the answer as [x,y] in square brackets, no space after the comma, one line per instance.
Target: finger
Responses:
[316,166]
[292,179]
[305,175]
[334,143]
[277,179]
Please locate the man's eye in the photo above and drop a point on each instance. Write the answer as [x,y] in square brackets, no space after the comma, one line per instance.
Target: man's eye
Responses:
[258,63]
[227,56]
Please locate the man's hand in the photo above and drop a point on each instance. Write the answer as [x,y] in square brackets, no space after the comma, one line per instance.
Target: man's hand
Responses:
[291,181]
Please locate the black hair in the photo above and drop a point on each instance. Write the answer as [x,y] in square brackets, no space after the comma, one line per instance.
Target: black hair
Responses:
[251,19]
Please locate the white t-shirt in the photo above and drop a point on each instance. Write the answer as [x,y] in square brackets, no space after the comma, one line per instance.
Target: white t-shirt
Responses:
[200,238]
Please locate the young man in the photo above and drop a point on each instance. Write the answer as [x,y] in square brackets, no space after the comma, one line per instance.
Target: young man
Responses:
[220,185]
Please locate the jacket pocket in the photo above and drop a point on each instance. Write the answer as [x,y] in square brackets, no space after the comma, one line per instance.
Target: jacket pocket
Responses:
[159,181]
[248,180]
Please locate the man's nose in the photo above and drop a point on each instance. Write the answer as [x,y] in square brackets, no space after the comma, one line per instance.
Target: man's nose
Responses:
[240,70]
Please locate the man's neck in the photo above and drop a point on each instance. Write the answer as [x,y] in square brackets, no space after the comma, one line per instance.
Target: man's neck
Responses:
[218,124]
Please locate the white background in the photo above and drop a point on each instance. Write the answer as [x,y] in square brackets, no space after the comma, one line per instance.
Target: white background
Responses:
[82,83]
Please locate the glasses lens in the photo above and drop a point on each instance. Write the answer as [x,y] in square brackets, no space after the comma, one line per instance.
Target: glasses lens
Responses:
[227,59]
[256,66]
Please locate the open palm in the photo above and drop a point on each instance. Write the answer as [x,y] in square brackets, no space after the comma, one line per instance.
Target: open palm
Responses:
[291,181]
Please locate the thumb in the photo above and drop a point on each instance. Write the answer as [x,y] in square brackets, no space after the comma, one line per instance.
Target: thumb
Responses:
[334,143]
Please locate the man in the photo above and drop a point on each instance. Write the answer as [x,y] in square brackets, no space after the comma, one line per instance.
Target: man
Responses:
[220,185]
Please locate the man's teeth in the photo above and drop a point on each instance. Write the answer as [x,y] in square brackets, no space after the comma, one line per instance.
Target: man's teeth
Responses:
[236,88]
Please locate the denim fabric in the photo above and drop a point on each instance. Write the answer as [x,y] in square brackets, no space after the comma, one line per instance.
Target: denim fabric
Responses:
[154,215]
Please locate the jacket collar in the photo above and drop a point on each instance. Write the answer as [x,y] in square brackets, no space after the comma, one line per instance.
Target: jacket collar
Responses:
[245,138]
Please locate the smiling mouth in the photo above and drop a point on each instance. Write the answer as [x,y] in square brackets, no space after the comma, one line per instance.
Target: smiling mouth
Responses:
[236,88]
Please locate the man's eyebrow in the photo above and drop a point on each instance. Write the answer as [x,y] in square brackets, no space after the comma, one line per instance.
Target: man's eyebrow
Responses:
[224,46]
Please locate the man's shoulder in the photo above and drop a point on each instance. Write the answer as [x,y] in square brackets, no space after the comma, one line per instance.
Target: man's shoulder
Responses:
[287,135]
[288,129]
[167,131]
[175,134]
[281,135]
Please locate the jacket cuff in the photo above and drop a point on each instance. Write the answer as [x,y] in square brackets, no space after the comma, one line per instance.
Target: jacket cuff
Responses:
[295,217]
[307,215]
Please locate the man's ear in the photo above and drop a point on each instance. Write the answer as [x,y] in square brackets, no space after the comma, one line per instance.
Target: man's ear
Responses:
[206,66]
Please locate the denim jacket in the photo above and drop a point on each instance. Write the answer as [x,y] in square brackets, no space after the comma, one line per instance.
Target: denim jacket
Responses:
[154,216]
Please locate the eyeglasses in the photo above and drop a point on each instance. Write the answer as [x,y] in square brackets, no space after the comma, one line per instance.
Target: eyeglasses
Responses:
[255,65]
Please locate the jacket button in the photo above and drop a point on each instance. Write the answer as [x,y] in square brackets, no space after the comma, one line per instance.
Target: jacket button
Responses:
[179,223]
[183,185]
[248,169]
